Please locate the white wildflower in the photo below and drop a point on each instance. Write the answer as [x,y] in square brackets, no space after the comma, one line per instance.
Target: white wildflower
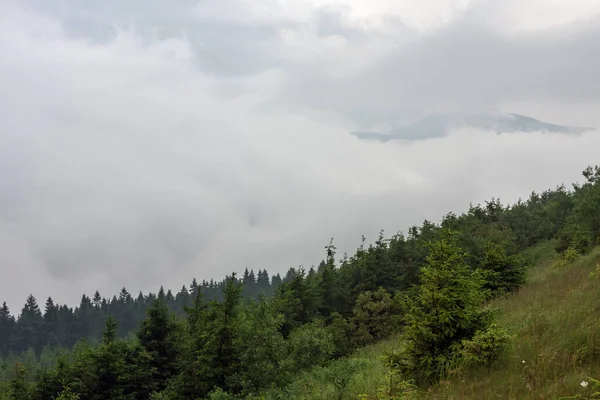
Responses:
[523,361]
[583,384]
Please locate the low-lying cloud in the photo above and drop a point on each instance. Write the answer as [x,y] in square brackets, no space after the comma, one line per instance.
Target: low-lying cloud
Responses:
[131,160]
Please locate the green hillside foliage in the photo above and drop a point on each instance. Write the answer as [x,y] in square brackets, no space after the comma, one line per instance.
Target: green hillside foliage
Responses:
[554,345]
[556,338]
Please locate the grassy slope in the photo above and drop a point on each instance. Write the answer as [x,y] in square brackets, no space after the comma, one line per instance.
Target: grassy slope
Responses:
[557,333]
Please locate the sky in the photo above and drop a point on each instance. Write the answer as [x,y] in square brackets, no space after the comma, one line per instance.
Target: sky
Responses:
[148,142]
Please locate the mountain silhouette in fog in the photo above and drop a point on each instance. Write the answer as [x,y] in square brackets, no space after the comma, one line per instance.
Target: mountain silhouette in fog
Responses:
[439,125]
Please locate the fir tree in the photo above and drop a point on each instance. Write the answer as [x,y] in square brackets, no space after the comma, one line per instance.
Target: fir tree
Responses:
[446,311]
[28,329]
[157,337]
[7,323]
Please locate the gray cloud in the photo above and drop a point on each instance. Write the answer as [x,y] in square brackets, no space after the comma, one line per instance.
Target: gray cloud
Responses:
[143,146]
[464,66]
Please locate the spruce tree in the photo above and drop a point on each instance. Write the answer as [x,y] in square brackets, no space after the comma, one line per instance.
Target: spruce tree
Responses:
[276,282]
[20,388]
[51,323]
[226,324]
[502,272]
[331,291]
[110,331]
[446,310]
[182,300]
[262,282]
[297,300]
[7,323]
[262,349]
[157,337]
[212,357]
[28,328]
[194,288]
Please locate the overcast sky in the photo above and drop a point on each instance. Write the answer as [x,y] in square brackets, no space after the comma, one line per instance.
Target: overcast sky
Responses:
[144,143]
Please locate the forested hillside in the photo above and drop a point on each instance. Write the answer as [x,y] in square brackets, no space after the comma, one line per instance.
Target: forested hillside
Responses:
[54,325]
[431,286]
[552,351]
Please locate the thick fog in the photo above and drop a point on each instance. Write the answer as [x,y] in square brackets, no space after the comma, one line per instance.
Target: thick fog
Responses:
[149,142]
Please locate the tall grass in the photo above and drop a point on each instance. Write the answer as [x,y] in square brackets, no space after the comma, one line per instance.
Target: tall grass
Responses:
[555,322]
[556,326]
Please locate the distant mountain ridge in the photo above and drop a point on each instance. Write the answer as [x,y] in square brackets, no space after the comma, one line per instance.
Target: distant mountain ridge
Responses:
[439,125]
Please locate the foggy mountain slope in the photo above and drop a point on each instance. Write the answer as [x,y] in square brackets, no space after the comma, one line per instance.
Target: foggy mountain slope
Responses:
[439,125]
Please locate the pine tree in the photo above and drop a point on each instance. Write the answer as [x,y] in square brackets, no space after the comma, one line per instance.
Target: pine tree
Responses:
[447,310]
[20,388]
[261,346]
[332,297]
[263,284]
[97,300]
[182,300]
[124,296]
[66,326]
[290,274]
[157,337]
[7,323]
[407,267]
[298,301]
[226,331]
[213,329]
[249,283]
[121,369]
[161,295]
[51,323]
[376,315]
[139,306]
[502,272]
[170,299]
[110,331]
[28,329]
[126,313]
[84,314]
[379,268]
[194,289]
[276,281]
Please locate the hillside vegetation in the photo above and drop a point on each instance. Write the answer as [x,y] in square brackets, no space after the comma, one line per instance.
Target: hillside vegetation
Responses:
[555,347]
[497,302]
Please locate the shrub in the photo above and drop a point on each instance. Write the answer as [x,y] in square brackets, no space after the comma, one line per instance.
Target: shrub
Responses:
[219,394]
[376,316]
[503,272]
[342,332]
[570,255]
[310,345]
[395,387]
[68,394]
[340,373]
[486,346]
